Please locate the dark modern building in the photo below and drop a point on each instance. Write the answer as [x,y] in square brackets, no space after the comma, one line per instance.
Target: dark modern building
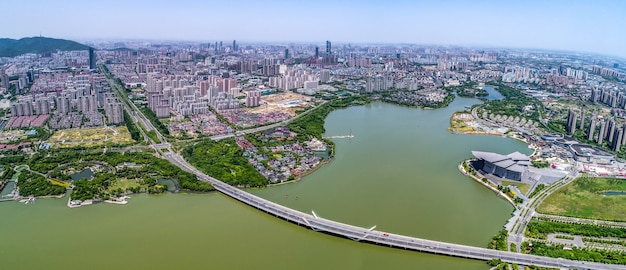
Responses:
[328,48]
[92,59]
[512,166]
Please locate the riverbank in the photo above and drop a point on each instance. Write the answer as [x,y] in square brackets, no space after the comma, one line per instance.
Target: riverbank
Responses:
[75,204]
[299,178]
[491,187]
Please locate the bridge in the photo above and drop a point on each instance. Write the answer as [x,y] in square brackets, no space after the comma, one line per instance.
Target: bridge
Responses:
[372,236]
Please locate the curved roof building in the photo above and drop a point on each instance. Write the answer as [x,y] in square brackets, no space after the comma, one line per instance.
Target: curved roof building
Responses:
[511,166]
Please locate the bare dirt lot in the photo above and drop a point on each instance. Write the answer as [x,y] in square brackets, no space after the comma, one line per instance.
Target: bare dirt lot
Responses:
[283,102]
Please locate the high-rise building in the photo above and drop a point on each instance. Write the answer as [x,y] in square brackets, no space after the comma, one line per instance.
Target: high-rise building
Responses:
[594,95]
[286,53]
[317,52]
[571,122]
[611,131]
[617,143]
[582,119]
[592,129]
[328,49]
[234,45]
[42,106]
[253,98]
[63,105]
[114,111]
[4,78]
[324,75]
[92,59]
[602,132]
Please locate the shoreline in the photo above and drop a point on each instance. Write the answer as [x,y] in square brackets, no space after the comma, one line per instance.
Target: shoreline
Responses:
[513,136]
[92,202]
[495,190]
[299,178]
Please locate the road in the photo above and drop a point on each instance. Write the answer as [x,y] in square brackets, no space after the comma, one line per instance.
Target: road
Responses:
[528,211]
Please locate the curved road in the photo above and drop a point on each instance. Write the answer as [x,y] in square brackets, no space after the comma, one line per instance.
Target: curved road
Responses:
[378,237]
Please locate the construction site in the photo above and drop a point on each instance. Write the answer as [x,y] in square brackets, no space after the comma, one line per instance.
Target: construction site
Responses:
[287,102]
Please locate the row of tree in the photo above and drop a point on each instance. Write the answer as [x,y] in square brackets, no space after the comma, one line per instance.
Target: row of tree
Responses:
[132,128]
[155,120]
[540,229]
[574,253]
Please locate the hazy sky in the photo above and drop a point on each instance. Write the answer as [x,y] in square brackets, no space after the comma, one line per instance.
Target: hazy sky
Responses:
[585,26]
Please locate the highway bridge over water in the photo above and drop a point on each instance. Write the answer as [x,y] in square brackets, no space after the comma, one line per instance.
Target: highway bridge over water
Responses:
[382,238]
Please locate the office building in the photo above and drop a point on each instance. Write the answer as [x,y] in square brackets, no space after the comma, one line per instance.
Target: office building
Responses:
[328,48]
[92,59]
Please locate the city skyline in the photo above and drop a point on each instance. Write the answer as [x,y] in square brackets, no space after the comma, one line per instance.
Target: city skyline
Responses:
[557,25]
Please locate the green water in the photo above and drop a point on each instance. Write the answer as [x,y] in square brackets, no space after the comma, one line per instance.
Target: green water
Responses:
[399,173]
[84,174]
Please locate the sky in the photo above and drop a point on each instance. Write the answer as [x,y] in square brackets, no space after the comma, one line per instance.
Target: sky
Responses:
[597,26]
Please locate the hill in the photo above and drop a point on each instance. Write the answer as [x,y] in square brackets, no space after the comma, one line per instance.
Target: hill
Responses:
[11,47]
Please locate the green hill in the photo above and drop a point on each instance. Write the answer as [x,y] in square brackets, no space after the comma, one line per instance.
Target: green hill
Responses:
[11,47]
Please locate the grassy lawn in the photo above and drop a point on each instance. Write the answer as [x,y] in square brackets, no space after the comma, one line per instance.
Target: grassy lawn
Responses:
[584,198]
[523,187]
[124,184]
[459,125]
